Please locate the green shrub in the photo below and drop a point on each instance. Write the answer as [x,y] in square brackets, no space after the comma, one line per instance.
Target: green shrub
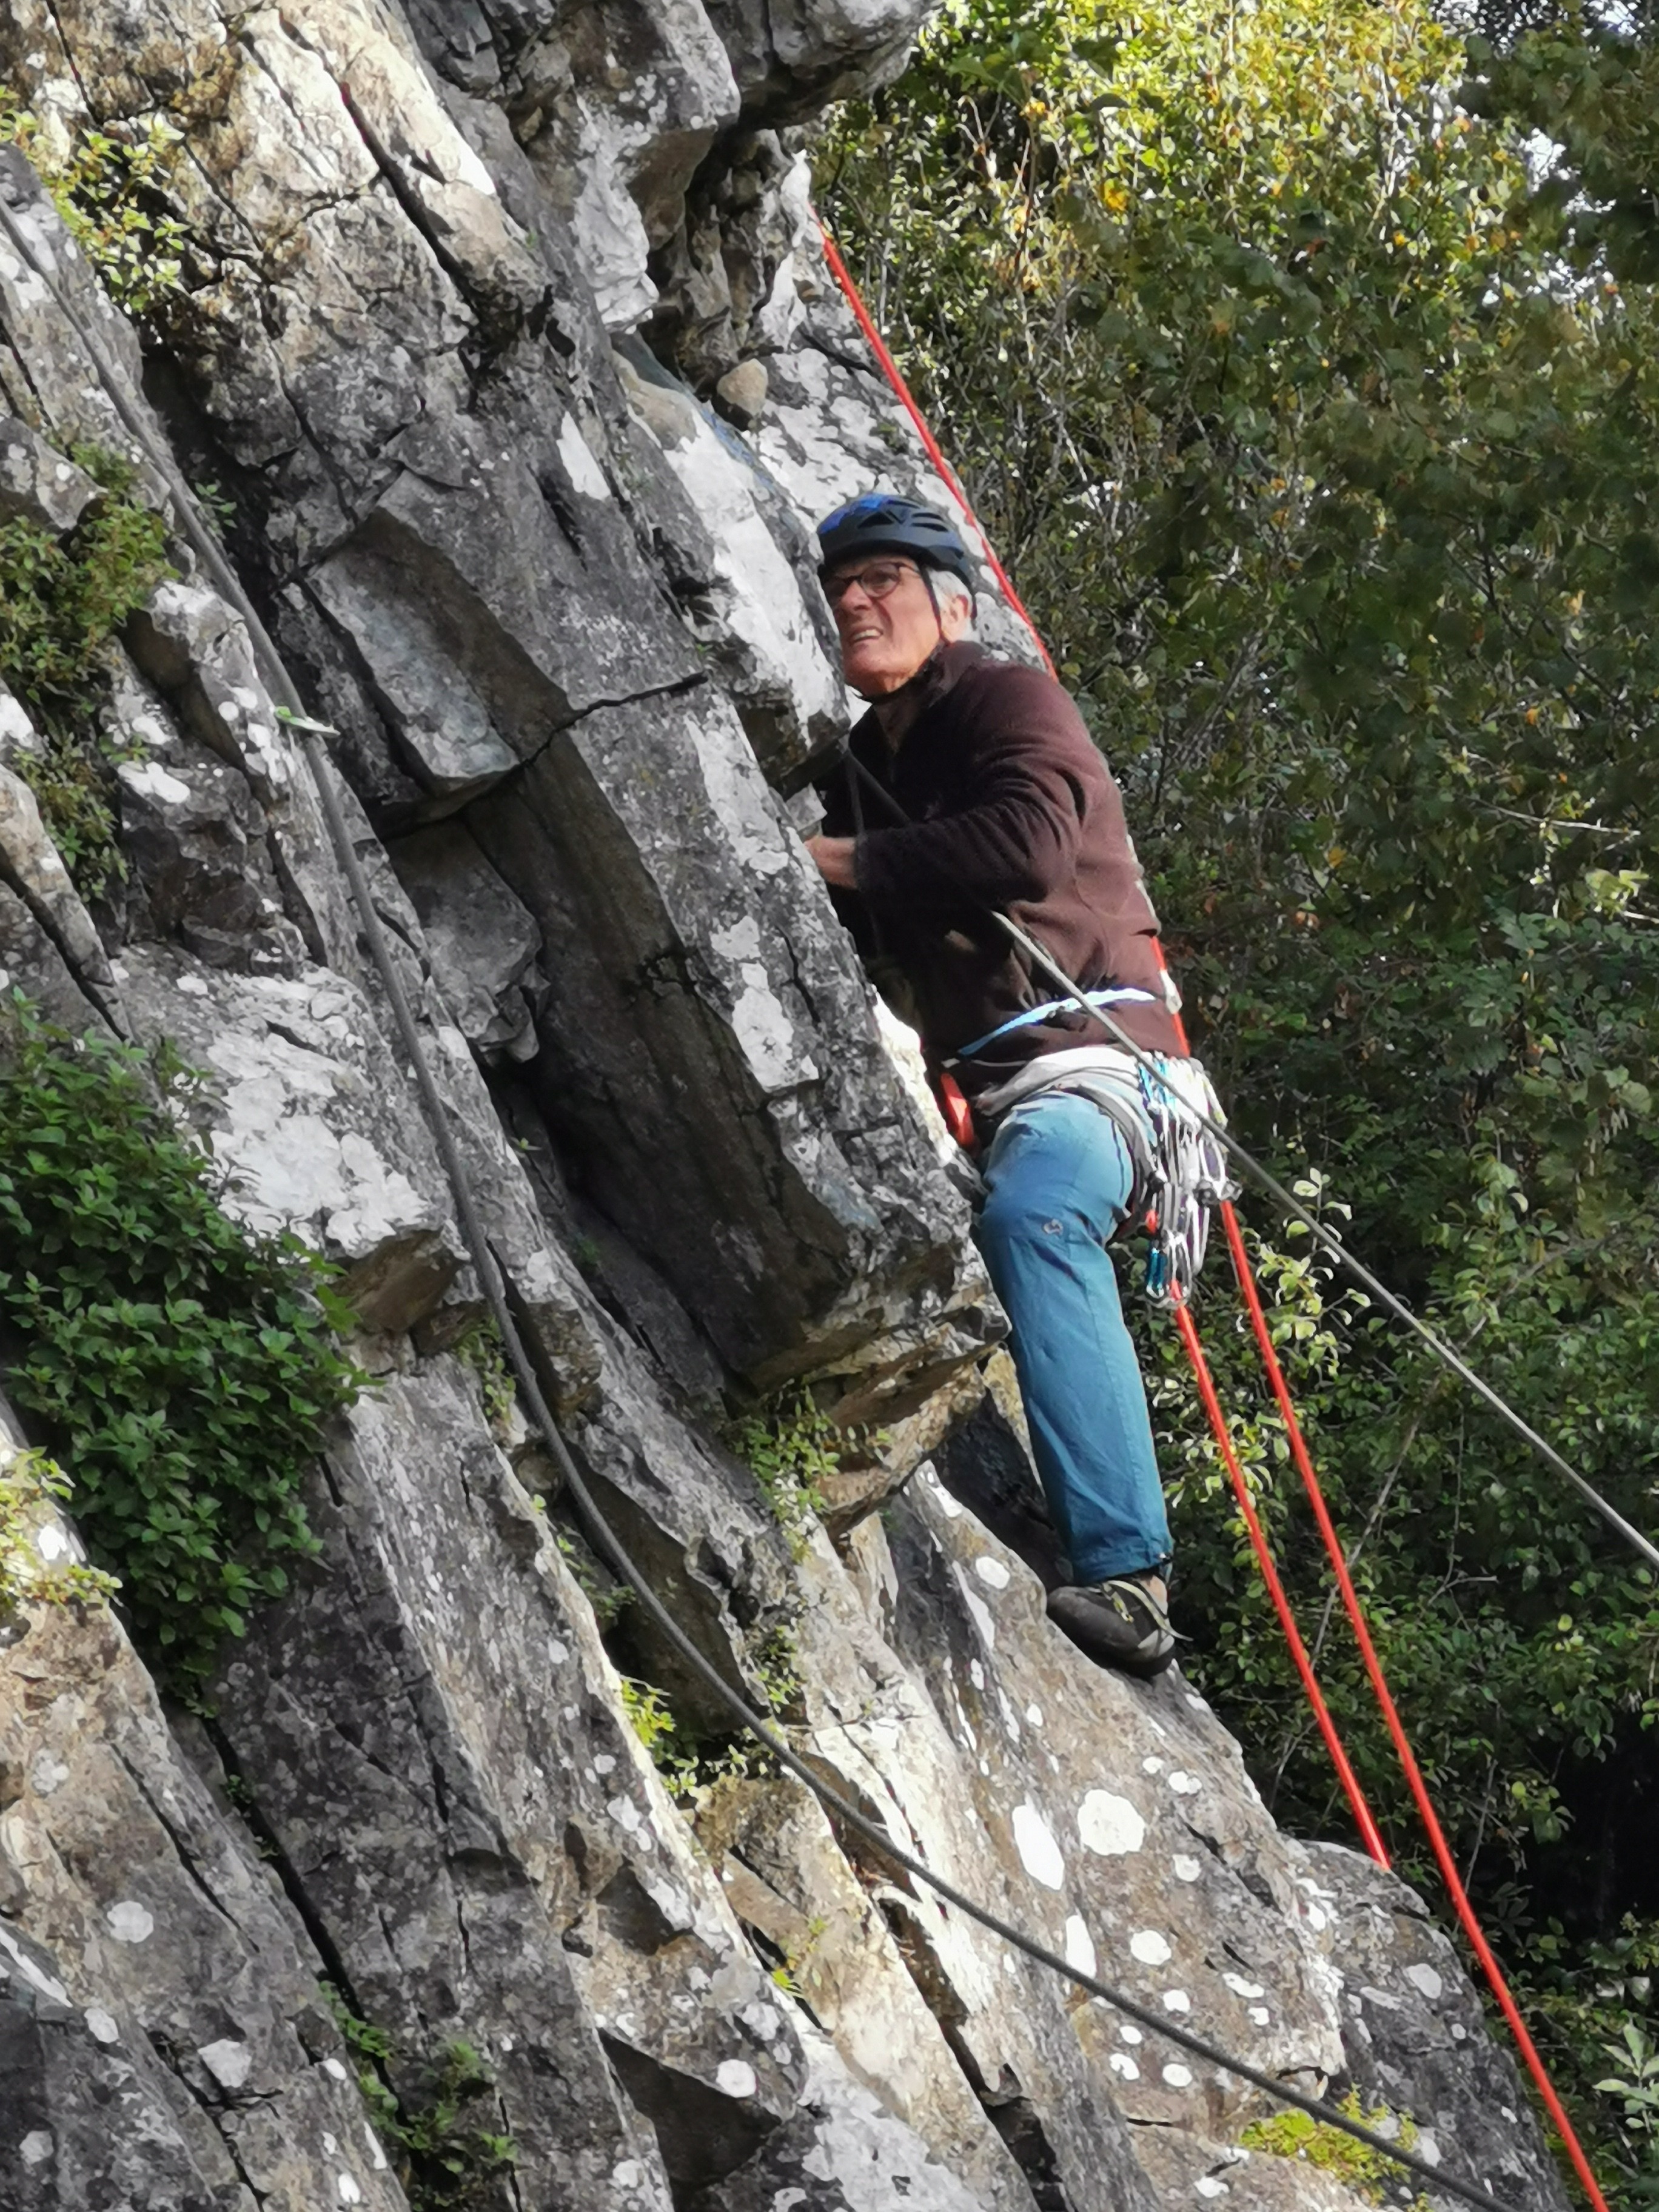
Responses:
[606,1596]
[789,1450]
[111,192]
[60,604]
[480,1346]
[444,2162]
[184,1367]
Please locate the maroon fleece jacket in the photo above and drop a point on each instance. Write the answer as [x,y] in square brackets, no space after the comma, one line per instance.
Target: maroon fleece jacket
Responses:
[1010,805]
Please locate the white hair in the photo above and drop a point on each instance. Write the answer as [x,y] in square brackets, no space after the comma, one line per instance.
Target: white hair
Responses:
[949,590]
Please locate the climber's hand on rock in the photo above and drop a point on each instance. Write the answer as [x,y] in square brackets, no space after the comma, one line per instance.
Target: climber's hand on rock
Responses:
[833,857]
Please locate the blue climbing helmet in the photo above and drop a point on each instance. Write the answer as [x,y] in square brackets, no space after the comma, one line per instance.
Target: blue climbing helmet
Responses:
[882,522]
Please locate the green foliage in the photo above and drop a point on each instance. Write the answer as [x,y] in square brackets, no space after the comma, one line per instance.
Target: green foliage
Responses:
[697,1765]
[790,1448]
[111,189]
[1322,432]
[606,1596]
[60,604]
[184,1369]
[1354,2164]
[1593,2005]
[648,1715]
[30,1484]
[482,1348]
[444,2161]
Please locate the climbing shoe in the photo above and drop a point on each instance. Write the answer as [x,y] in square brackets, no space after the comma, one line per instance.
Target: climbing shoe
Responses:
[1118,1623]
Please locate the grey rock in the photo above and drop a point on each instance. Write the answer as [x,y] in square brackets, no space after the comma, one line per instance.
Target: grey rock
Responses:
[1415,2037]
[32,963]
[792,60]
[37,483]
[31,870]
[176,1990]
[787,1878]
[480,938]
[737,1122]
[842,2151]
[741,393]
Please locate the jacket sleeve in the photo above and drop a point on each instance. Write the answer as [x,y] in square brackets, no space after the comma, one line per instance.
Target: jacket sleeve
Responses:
[1016,838]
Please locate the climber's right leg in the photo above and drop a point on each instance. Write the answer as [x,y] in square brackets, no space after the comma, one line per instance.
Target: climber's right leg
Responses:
[1058,1180]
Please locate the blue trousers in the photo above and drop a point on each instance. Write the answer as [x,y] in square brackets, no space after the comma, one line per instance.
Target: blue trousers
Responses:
[1058,1178]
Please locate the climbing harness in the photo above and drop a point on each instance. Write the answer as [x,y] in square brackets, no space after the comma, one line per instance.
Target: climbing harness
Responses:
[1117,996]
[1214,1127]
[499,1295]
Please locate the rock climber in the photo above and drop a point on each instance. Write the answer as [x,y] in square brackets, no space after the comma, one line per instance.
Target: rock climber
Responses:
[1003,801]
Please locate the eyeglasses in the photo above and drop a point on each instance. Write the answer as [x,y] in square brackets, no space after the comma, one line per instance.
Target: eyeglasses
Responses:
[877,581]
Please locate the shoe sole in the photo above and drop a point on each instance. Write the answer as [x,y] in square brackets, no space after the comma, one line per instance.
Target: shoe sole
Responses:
[1077,1632]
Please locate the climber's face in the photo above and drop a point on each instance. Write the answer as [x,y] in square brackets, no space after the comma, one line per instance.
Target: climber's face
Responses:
[888,620]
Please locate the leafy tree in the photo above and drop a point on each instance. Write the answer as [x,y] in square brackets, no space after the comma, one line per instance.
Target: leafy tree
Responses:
[1319,426]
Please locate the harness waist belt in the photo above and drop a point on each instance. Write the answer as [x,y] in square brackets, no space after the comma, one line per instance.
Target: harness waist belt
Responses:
[1115,996]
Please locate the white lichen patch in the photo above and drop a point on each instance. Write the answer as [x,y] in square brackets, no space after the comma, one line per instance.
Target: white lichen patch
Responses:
[1261,2016]
[735,2077]
[1150,1947]
[1185,1868]
[101,2026]
[1241,1988]
[1178,2076]
[1176,2000]
[979,1613]
[150,780]
[1109,1825]
[47,1773]
[1185,1785]
[1079,1949]
[1121,2063]
[1425,1978]
[129,1922]
[991,1572]
[1128,2033]
[1039,1854]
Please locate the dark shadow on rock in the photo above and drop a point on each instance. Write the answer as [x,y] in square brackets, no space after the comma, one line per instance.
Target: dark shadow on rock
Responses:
[984,1467]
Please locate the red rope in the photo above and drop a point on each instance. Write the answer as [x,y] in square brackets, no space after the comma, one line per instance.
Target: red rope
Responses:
[889,370]
[1188,1333]
[1218,1429]
[1187,1328]
[1413,1773]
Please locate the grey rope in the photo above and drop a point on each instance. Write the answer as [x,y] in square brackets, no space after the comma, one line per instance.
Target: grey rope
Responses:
[1293,1205]
[492,1283]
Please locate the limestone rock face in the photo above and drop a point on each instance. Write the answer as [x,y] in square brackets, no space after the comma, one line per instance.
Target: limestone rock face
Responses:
[461,278]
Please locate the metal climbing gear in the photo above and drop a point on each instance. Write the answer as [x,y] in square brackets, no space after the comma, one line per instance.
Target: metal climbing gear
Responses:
[1192,1174]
